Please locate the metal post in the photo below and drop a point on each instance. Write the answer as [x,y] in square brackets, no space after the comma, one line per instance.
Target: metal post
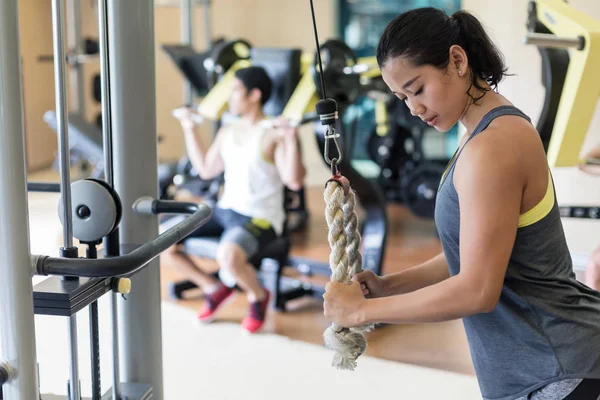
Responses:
[74,355]
[17,329]
[75,42]
[207,24]
[111,243]
[105,91]
[58,30]
[187,37]
[133,106]
[116,386]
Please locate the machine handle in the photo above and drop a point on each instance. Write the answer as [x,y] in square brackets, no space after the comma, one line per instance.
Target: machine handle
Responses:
[553,41]
[127,264]
[5,374]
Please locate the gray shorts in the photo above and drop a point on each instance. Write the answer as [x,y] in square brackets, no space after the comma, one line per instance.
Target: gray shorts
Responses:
[554,391]
[250,234]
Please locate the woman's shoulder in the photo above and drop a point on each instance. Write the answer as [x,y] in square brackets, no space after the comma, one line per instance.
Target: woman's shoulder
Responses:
[502,148]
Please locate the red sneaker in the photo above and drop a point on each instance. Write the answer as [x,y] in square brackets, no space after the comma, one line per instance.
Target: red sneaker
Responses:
[256,318]
[214,302]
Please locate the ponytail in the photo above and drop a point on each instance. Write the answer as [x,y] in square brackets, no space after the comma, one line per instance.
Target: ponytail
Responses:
[425,35]
[485,59]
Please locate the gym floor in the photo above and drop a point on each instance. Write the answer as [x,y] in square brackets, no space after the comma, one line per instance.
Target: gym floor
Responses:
[410,241]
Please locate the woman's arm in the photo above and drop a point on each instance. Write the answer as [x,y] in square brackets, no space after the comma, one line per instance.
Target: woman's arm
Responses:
[428,273]
[489,180]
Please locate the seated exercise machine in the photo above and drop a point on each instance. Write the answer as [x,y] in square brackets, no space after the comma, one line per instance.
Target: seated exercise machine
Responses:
[569,44]
[296,95]
[120,211]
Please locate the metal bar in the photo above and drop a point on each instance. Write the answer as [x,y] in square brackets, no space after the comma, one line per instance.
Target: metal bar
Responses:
[127,264]
[105,90]
[95,351]
[111,243]
[92,252]
[75,42]
[47,187]
[17,328]
[552,41]
[584,212]
[62,121]
[116,386]
[207,24]
[74,355]
[187,37]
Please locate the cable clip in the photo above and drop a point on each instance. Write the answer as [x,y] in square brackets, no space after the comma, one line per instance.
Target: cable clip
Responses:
[329,135]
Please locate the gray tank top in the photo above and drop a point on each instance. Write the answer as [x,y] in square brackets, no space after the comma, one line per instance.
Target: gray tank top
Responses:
[546,326]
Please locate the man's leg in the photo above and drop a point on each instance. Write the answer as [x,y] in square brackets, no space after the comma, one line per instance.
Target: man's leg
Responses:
[176,257]
[216,294]
[238,245]
[232,258]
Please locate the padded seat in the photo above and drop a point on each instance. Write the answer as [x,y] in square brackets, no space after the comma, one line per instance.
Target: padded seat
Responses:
[206,247]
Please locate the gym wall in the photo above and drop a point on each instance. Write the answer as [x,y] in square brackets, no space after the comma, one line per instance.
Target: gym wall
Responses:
[35,23]
[262,22]
[506,25]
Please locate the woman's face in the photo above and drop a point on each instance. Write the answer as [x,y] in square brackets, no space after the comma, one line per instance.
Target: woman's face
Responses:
[436,96]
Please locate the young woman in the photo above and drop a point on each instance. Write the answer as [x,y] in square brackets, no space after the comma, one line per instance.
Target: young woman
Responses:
[505,269]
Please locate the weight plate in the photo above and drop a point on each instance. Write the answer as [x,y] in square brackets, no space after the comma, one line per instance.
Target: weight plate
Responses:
[420,186]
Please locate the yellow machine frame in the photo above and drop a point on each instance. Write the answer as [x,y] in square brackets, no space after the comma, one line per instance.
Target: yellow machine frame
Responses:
[302,101]
[582,84]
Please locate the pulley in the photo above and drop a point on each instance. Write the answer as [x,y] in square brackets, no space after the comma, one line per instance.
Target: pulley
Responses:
[96,210]
[342,87]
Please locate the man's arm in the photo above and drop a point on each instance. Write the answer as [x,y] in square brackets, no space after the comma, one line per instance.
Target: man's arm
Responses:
[208,163]
[288,159]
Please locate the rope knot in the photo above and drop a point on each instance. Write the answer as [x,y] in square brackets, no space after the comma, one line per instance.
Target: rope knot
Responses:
[348,345]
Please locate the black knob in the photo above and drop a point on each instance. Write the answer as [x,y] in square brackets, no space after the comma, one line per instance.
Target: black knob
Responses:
[83,212]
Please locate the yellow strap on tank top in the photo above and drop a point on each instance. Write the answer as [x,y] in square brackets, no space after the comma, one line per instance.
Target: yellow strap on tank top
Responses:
[541,209]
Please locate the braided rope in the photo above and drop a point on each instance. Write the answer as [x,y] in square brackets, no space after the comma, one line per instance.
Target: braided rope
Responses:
[345,261]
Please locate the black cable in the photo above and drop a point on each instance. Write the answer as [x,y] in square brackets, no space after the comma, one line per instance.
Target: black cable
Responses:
[312,10]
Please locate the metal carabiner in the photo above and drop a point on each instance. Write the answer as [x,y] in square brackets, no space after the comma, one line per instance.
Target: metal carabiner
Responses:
[329,135]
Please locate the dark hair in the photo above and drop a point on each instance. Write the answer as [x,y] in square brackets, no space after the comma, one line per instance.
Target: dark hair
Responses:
[425,35]
[255,77]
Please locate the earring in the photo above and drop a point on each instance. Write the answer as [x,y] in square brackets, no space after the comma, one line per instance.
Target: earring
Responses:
[460,73]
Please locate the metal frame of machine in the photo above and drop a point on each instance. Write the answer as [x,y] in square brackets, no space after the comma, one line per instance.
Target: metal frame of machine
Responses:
[123,208]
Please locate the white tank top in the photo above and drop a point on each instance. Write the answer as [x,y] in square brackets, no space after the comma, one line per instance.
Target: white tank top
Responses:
[252,186]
